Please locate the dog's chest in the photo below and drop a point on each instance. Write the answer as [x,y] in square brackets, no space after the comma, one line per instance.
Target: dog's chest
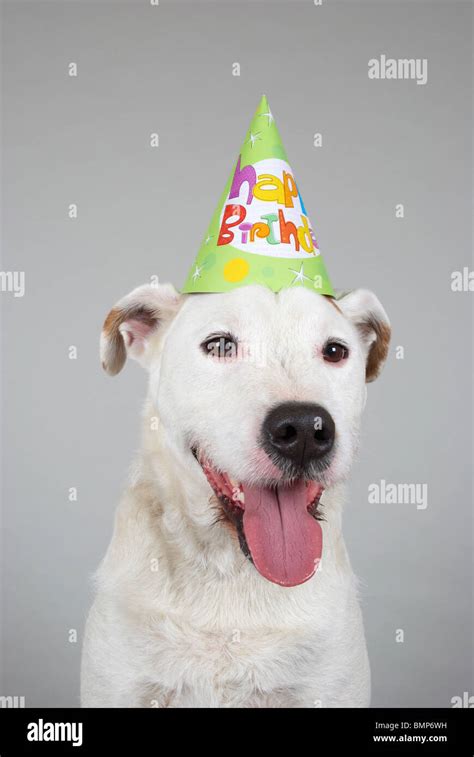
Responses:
[232,667]
[247,666]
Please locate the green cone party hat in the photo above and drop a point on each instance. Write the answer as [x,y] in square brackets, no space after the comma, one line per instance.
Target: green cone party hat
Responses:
[260,232]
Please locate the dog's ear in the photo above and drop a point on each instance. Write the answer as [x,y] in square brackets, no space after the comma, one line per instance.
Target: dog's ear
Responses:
[365,311]
[132,323]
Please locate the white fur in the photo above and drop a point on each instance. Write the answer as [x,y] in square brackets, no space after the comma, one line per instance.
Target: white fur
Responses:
[181,618]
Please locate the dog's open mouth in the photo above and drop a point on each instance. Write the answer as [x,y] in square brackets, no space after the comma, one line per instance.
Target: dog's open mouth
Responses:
[277,526]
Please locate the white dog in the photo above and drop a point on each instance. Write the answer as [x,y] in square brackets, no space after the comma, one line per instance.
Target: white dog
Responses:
[227,582]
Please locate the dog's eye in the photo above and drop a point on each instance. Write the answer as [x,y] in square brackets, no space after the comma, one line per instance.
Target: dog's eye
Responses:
[220,346]
[334,352]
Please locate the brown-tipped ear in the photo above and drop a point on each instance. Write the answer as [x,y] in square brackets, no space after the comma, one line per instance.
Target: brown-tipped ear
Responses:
[133,321]
[365,311]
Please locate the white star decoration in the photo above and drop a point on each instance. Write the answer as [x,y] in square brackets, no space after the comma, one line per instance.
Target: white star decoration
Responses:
[197,272]
[300,275]
[253,138]
[269,115]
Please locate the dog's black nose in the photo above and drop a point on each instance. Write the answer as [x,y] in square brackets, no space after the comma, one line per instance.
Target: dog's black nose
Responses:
[298,432]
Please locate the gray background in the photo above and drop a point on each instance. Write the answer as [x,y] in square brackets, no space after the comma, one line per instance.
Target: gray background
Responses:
[86,140]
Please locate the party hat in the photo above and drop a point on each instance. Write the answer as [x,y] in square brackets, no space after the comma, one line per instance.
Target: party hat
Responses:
[260,232]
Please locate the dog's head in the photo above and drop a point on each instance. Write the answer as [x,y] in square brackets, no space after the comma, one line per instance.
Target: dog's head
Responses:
[262,393]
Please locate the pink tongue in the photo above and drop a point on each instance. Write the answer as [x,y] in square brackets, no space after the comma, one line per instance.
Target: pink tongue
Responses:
[285,541]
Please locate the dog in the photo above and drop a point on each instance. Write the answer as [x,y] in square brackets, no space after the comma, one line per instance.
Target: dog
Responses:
[227,582]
